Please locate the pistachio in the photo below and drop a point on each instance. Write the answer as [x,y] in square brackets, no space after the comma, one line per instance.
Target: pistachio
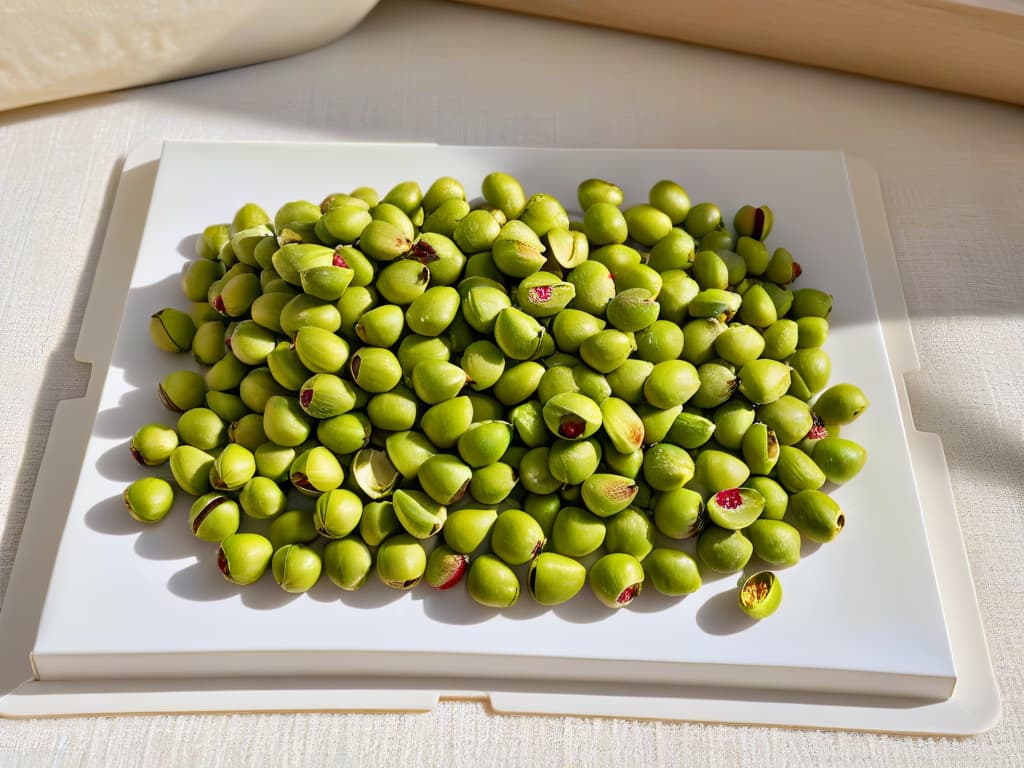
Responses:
[401,562]
[149,499]
[419,514]
[243,558]
[213,517]
[316,471]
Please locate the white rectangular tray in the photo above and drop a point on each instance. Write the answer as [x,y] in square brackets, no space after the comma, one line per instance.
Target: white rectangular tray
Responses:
[861,630]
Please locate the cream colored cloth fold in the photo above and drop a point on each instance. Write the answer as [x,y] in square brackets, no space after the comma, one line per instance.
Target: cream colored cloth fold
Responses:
[53,49]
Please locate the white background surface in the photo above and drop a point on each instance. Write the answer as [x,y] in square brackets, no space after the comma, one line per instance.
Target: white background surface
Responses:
[952,172]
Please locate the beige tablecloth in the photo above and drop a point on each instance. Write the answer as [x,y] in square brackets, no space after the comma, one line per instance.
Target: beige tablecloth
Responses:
[952,173]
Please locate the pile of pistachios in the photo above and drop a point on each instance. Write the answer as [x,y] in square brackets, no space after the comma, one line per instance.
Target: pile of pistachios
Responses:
[431,388]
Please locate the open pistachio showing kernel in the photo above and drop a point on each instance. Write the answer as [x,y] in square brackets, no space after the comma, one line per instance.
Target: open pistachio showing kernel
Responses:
[316,471]
[760,595]
[543,294]
[572,416]
[616,579]
[445,567]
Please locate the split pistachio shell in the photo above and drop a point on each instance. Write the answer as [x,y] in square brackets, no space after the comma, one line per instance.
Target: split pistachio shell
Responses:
[616,579]
[296,568]
[172,330]
[149,499]
[690,430]
[760,595]
[337,513]
[243,558]
[316,471]
[214,517]
[153,444]
[408,450]
[419,514]
[572,416]
[373,473]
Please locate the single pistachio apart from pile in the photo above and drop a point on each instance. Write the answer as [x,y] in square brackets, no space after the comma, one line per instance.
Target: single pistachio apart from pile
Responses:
[474,391]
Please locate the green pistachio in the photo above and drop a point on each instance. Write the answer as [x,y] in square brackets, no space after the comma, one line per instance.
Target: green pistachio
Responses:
[717,470]
[285,423]
[534,472]
[577,532]
[790,418]
[214,517]
[181,391]
[679,514]
[572,416]
[700,336]
[377,522]
[725,551]
[616,579]
[445,422]
[172,330]
[760,595]
[403,281]
[337,513]
[294,526]
[595,288]
[667,467]
[593,191]
[690,430]
[149,499]
[672,572]
[153,444]
[492,583]
[190,468]
[244,557]
[347,563]
[408,450]
[304,310]
[419,514]
[573,461]
[401,562]
[605,494]
[841,404]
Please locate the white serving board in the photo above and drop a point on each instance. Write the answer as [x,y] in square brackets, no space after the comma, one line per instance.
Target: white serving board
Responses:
[861,616]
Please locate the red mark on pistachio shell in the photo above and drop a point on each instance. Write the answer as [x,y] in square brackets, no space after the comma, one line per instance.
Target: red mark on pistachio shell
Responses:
[758,223]
[218,304]
[339,260]
[571,426]
[797,270]
[730,499]
[299,480]
[627,595]
[455,567]
[306,397]
[205,512]
[817,431]
[222,561]
[539,294]
[424,252]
